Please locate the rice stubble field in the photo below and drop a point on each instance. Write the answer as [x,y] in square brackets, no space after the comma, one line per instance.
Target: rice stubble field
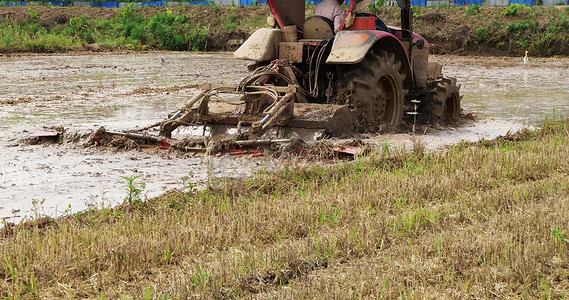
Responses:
[482,220]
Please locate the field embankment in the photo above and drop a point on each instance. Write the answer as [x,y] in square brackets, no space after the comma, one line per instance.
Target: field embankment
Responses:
[479,220]
[544,31]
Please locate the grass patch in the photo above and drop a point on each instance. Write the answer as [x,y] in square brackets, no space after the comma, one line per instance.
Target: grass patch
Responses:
[179,28]
[481,220]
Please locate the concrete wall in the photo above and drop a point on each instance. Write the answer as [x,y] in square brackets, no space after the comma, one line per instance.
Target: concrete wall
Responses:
[437,3]
[226,2]
[497,2]
[554,2]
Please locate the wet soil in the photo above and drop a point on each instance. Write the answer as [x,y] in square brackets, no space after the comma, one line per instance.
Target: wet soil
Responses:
[124,91]
[507,89]
[82,93]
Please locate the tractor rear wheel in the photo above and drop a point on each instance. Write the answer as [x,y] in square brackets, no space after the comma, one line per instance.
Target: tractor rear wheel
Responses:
[375,91]
[445,100]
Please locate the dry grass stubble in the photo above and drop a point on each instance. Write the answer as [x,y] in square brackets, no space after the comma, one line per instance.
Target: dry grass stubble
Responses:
[474,221]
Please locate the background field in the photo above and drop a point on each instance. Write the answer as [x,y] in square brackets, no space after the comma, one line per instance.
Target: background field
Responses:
[470,30]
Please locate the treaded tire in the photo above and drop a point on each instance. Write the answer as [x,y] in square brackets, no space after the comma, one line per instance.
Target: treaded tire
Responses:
[375,89]
[445,100]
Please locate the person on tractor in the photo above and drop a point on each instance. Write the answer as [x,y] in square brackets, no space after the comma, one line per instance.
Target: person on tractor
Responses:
[332,10]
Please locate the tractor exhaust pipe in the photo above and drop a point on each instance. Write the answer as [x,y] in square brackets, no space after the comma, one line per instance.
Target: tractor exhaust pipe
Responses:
[406,18]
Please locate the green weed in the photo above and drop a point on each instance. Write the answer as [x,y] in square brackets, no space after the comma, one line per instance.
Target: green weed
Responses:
[134,190]
[32,14]
[386,149]
[473,10]
[513,9]
[482,33]
[521,26]
[200,279]
[167,30]
[559,236]
[197,38]
[376,6]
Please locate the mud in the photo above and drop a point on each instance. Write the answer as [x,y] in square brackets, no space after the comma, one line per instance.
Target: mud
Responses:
[507,89]
[82,93]
[127,91]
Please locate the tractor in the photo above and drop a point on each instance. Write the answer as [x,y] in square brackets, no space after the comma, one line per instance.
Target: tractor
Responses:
[365,78]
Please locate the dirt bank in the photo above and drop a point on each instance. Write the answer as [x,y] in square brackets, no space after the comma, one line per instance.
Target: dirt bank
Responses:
[62,29]
[461,30]
[490,30]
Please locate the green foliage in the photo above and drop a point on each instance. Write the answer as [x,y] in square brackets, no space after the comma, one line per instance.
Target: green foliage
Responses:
[130,25]
[521,26]
[559,236]
[473,10]
[81,28]
[33,38]
[559,25]
[197,38]
[32,14]
[232,17]
[129,29]
[446,7]
[13,271]
[258,21]
[386,149]
[513,9]
[166,29]
[375,6]
[134,190]
[200,279]
[482,33]
[230,25]
[147,294]
[231,22]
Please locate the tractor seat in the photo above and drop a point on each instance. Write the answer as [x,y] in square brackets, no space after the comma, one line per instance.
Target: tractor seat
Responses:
[379,24]
[318,28]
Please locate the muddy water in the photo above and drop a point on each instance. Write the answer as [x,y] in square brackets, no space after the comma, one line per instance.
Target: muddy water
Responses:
[509,90]
[505,93]
[83,93]
[123,91]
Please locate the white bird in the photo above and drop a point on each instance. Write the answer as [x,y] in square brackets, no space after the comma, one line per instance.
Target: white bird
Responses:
[526,58]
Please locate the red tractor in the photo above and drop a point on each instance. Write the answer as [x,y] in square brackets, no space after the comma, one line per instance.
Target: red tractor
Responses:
[364,78]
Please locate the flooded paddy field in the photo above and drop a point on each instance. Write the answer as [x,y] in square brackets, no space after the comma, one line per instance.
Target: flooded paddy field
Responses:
[125,91]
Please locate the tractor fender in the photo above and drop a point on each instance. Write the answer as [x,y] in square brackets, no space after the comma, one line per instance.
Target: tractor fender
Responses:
[350,47]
